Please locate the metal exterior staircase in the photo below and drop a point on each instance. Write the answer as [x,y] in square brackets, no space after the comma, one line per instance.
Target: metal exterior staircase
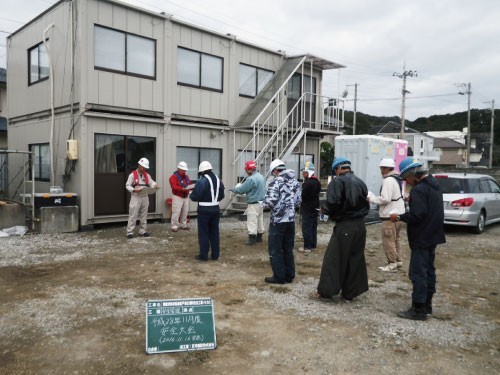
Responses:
[276,131]
[277,120]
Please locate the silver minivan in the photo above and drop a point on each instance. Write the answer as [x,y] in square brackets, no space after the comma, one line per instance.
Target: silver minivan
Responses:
[469,199]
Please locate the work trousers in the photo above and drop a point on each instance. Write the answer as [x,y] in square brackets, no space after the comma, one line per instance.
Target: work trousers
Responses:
[180,209]
[280,248]
[208,233]
[138,210]
[344,265]
[422,273]
[391,241]
[255,218]
[310,229]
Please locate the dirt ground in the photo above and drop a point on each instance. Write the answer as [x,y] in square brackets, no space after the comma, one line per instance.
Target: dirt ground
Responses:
[75,304]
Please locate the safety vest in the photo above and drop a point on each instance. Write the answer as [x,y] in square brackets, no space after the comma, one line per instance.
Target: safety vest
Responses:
[213,192]
[135,174]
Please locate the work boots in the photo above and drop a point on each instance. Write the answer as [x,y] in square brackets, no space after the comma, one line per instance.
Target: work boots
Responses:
[428,306]
[252,239]
[259,237]
[416,312]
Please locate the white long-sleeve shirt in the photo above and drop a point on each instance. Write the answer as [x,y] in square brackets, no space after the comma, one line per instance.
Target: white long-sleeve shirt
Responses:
[390,199]
[129,185]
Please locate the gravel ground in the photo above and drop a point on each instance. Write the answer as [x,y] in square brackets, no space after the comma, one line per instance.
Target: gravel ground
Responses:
[71,302]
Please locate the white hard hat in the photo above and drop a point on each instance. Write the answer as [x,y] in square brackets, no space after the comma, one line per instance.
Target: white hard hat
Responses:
[204,166]
[275,164]
[387,162]
[182,165]
[144,163]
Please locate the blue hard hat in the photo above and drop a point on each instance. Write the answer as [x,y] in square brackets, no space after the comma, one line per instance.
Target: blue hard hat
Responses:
[308,166]
[408,165]
[340,161]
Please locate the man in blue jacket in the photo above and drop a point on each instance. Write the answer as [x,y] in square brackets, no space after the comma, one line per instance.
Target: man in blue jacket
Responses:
[208,192]
[282,197]
[425,220]
[254,187]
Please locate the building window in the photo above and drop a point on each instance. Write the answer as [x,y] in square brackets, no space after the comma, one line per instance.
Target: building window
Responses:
[120,52]
[41,156]
[199,69]
[295,88]
[253,80]
[38,62]
[193,156]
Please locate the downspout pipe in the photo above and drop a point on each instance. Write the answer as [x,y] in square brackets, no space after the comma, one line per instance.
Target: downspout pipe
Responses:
[52,118]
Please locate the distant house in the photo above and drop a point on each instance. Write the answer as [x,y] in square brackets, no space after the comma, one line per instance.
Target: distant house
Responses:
[451,152]
[420,145]
[130,83]
[478,147]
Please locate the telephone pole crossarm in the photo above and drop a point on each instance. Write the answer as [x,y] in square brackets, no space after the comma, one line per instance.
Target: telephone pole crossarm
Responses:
[406,73]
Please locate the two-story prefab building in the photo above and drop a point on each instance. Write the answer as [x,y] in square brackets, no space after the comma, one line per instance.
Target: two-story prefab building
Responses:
[94,85]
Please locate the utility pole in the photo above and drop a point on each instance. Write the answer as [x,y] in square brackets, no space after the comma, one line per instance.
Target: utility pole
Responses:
[355,104]
[406,73]
[468,92]
[492,132]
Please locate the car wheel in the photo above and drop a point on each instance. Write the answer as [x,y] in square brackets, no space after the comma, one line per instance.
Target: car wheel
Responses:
[479,228]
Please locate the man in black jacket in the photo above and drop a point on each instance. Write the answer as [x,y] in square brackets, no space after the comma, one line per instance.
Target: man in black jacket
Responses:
[309,208]
[344,265]
[425,228]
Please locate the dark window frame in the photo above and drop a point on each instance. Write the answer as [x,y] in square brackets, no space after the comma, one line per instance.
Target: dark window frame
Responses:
[38,163]
[195,178]
[37,46]
[125,72]
[256,80]
[200,86]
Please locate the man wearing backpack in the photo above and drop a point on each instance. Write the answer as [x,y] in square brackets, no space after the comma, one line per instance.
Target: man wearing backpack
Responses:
[390,201]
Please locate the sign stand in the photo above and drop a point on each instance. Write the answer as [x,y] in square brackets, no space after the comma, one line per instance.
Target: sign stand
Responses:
[180,325]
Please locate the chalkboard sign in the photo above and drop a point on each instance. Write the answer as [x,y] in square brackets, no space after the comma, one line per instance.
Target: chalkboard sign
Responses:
[180,325]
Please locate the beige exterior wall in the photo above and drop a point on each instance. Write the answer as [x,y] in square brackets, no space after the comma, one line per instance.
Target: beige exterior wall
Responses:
[127,99]
[114,89]
[36,97]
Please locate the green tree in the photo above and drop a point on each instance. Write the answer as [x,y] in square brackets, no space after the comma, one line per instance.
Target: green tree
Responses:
[326,156]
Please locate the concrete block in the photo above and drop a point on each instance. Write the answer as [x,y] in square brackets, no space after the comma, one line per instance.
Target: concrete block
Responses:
[58,219]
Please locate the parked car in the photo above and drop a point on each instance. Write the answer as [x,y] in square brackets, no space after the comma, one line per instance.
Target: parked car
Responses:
[471,200]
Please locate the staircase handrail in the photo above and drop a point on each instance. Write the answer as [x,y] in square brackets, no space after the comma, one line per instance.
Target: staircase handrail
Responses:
[283,124]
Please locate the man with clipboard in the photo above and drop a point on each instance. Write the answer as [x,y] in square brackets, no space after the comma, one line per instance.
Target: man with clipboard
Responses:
[181,187]
[139,184]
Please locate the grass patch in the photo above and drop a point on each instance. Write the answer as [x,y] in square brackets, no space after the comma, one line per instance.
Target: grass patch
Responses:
[279,289]
[234,301]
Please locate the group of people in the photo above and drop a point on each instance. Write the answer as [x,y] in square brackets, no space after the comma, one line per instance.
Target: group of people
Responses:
[344,267]
[208,192]
[343,272]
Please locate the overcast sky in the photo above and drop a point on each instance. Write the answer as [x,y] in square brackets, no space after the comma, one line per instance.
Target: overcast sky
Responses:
[447,42]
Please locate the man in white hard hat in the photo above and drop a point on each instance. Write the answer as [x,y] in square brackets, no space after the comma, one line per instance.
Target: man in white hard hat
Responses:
[139,203]
[208,192]
[282,197]
[181,186]
[390,201]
